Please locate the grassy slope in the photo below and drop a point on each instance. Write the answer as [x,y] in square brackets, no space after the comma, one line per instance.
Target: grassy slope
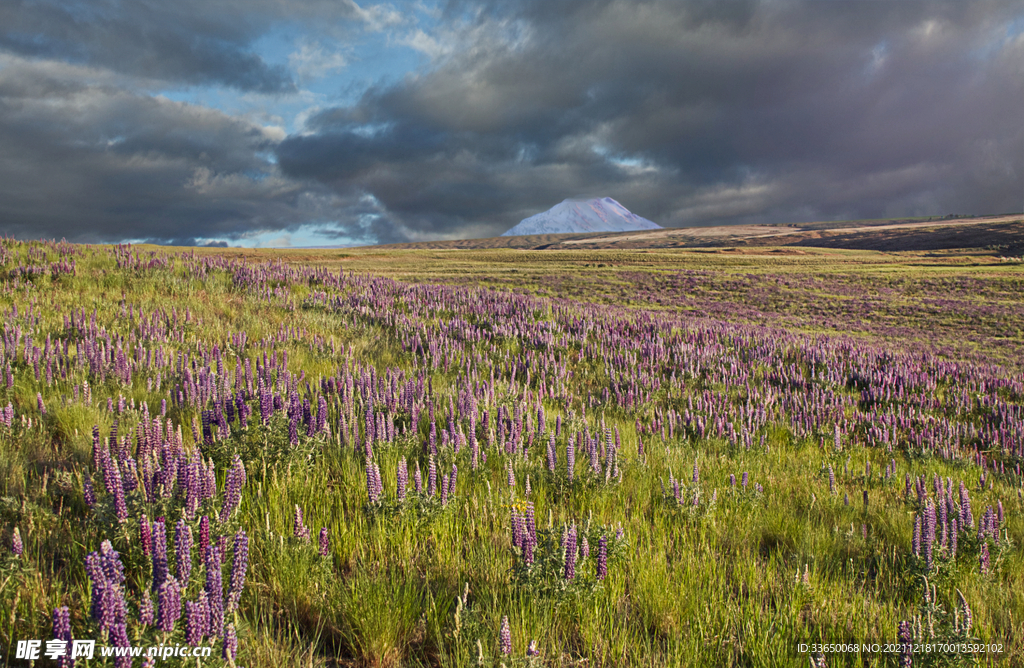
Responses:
[721,588]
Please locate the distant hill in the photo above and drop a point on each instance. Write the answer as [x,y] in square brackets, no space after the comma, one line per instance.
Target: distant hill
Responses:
[581,217]
[1003,234]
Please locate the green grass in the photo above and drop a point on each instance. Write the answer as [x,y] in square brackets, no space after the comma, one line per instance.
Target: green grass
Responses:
[419,584]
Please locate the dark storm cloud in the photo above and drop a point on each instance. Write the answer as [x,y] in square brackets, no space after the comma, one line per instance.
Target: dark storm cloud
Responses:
[689,112]
[88,161]
[180,42]
[87,152]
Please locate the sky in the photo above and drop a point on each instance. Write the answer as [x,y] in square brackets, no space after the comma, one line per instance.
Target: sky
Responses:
[273,123]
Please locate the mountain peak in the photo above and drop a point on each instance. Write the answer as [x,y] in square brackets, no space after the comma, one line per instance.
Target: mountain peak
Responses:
[575,216]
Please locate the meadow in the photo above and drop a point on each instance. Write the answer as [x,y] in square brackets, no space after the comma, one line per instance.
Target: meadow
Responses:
[520,458]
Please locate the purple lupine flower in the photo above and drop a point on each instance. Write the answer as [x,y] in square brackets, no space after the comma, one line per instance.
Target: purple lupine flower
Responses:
[570,554]
[160,572]
[527,547]
[928,529]
[168,604]
[321,415]
[916,541]
[517,528]
[510,474]
[183,552]
[299,529]
[401,480]
[745,478]
[965,611]
[117,489]
[88,493]
[431,476]
[418,479]
[372,493]
[119,638]
[906,644]
[505,637]
[197,620]
[966,518]
[145,536]
[696,473]
[214,592]
[204,537]
[222,546]
[602,558]
[552,455]
[233,488]
[39,402]
[239,566]
[17,546]
[230,650]
[532,650]
[62,631]
[570,459]
[146,610]
[831,480]
[983,558]
[325,543]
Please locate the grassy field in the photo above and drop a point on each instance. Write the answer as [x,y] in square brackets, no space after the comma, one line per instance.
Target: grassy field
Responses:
[520,458]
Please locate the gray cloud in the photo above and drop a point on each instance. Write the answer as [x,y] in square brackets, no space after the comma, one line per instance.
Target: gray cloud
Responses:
[92,162]
[689,113]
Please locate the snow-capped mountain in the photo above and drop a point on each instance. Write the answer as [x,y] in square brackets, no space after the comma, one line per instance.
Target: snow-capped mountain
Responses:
[575,216]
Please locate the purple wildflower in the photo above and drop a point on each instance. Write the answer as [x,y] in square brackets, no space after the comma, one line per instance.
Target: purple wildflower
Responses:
[146,536]
[168,605]
[602,558]
[62,631]
[183,552]
[17,546]
[204,537]
[965,611]
[88,493]
[197,620]
[146,610]
[239,566]
[401,480]
[505,637]
[325,543]
[299,529]
[570,554]
[160,572]
[233,488]
[906,640]
[214,592]
[230,650]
